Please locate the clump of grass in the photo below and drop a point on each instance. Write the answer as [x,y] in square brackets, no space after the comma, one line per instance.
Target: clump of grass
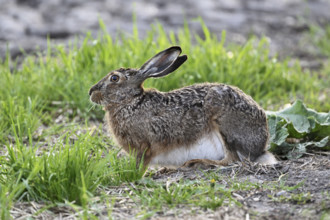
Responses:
[123,169]
[8,192]
[23,115]
[67,172]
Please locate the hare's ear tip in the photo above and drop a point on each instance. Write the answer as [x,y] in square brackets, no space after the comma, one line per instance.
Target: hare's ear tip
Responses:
[184,56]
[175,47]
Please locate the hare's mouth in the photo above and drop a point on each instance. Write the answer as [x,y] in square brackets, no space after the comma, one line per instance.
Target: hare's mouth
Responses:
[96,97]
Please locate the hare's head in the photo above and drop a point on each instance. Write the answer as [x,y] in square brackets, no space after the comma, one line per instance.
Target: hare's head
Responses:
[126,83]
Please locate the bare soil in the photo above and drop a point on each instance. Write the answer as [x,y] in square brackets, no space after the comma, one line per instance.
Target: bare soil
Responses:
[312,171]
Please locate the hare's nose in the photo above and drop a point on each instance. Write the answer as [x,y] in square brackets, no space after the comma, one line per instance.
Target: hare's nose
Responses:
[94,88]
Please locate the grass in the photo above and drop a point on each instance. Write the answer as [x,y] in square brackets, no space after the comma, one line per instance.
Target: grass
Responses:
[298,198]
[208,193]
[68,171]
[200,193]
[320,37]
[63,165]
[60,77]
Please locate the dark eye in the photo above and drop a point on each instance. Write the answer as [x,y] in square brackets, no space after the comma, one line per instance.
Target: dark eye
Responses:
[114,78]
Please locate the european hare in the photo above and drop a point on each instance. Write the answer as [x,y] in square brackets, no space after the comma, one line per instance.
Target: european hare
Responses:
[201,124]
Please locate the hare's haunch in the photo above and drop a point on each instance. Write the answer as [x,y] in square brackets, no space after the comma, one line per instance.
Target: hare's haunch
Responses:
[207,123]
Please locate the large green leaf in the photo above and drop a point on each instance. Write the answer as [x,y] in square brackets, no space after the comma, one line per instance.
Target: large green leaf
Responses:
[277,129]
[296,129]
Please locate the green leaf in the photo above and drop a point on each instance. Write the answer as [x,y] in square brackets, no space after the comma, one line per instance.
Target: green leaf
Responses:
[297,114]
[306,127]
[278,131]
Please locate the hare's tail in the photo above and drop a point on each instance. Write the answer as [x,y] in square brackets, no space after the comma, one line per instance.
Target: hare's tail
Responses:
[266,158]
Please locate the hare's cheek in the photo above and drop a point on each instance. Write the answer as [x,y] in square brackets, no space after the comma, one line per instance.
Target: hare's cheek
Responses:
[96,97]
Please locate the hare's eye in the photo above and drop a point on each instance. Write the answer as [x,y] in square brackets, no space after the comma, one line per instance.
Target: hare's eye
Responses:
[114,78]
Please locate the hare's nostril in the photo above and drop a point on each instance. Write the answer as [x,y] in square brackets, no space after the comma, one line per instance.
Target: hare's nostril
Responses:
[96,87]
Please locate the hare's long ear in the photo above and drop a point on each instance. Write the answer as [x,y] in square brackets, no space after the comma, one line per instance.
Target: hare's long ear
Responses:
[163,63]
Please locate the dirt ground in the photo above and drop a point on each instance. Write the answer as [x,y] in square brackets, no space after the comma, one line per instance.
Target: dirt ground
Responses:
[311,172]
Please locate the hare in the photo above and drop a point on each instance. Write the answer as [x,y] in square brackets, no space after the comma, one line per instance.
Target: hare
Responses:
[197,125]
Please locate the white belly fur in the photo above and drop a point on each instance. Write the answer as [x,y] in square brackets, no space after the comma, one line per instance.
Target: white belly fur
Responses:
[209,147]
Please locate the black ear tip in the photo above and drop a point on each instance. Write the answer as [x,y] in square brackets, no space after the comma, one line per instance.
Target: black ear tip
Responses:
[184,57]
[175,48]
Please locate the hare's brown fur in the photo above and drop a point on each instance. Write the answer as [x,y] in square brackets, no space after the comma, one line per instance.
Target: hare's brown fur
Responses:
[153,122]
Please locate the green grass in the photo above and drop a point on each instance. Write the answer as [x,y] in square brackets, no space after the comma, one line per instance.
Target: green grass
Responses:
[321,38]
[158,197]
[68,171]
[295,198]
[60,77]
[64,166]
[208,193]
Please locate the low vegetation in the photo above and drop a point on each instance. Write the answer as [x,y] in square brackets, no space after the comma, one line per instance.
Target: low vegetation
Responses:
[52,152]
